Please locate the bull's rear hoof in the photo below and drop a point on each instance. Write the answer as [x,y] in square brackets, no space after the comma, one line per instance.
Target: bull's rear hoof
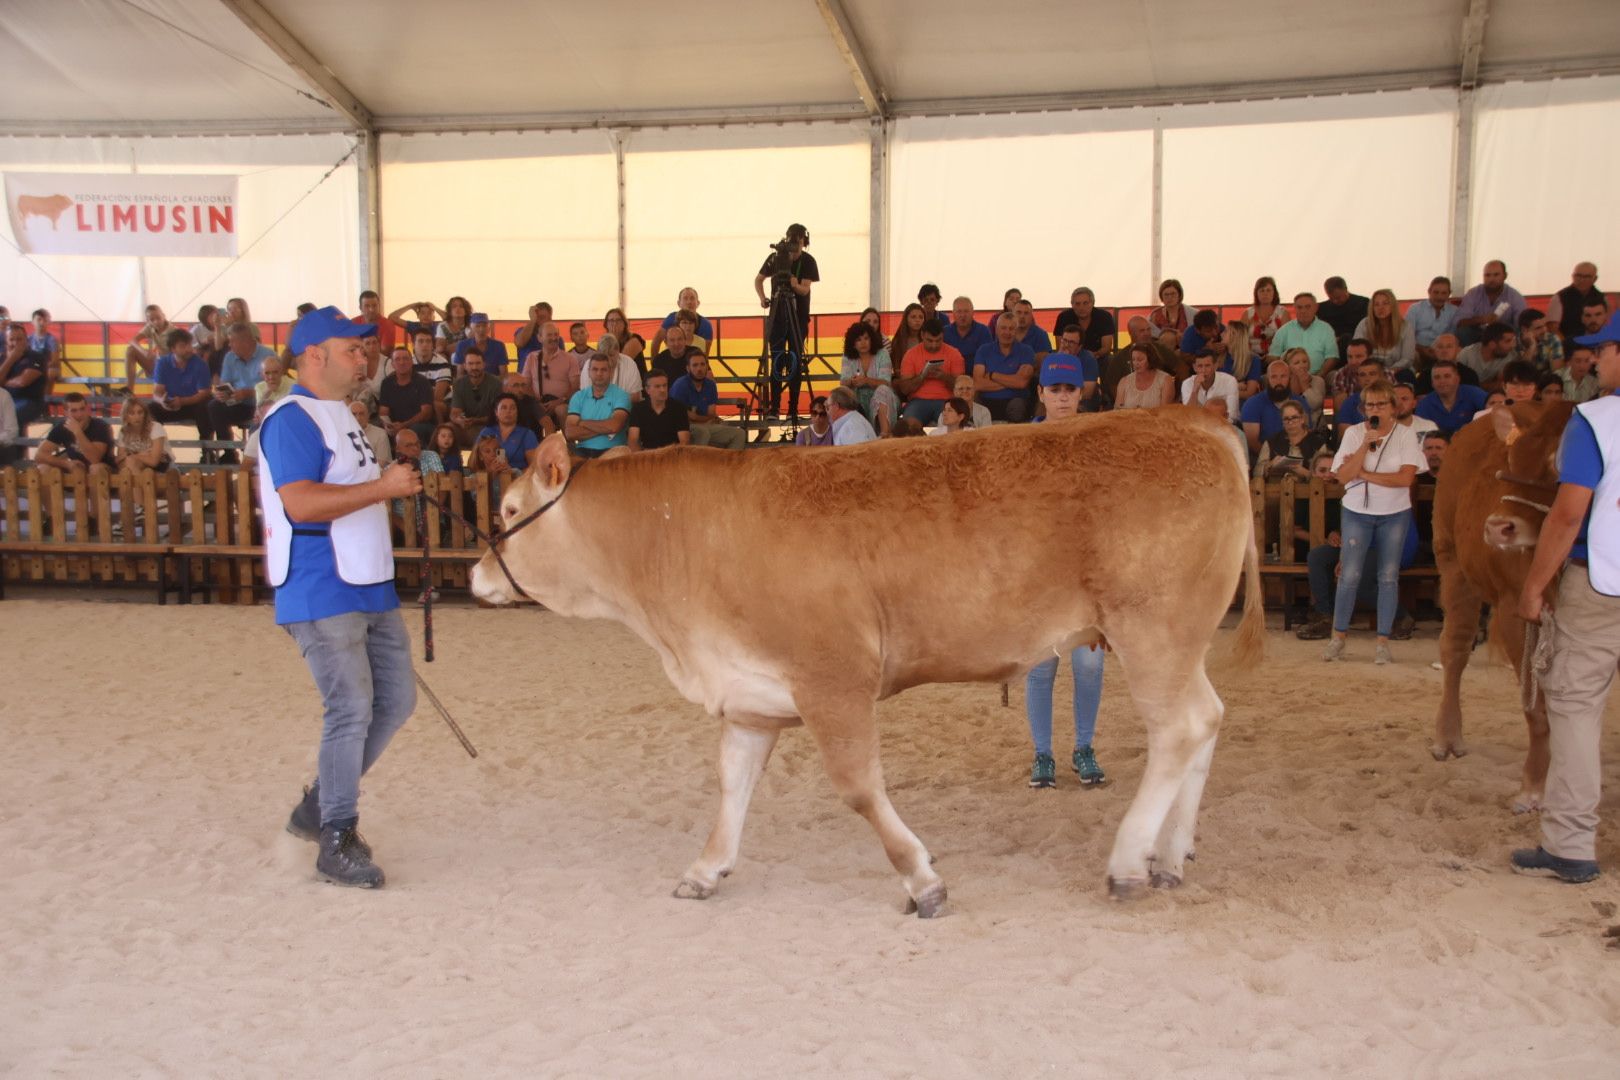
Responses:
[930,905]
[692,890]
[1164,879]
[1126,888]
[1442,751]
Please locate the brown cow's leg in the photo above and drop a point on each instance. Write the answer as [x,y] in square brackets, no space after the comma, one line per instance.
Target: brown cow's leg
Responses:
[1461,603]
[1176,835]
[743,754]
[848,739]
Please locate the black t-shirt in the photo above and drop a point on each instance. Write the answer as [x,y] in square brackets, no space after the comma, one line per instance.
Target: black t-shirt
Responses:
[97,430]
[29,361]
[659,429]
[803,267]
[671,365]
[1102,325]
[404,402]
[1343,317]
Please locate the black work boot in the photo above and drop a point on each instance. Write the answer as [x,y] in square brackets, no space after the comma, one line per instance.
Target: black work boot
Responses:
[343,861]
[305,821]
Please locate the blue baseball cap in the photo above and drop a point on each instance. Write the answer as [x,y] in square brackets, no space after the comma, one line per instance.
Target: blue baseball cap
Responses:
[1610,332]
[1062,369]
[477,317]
[322,324]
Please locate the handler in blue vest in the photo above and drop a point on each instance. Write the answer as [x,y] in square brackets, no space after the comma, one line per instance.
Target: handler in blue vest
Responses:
[330,558]
[1584,528]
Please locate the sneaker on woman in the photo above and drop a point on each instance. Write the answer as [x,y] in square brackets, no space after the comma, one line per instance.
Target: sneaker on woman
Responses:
[1044,772]
[1085,763]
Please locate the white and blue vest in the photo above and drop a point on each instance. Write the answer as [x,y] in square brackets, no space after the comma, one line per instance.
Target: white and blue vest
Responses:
[1603,527]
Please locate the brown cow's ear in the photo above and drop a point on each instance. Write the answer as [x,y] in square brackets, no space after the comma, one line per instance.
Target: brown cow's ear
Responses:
[553,461]
[1502,422]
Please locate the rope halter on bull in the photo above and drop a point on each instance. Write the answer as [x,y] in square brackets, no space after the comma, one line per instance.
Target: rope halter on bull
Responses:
[1537,637]
[1535,485]
[495,539]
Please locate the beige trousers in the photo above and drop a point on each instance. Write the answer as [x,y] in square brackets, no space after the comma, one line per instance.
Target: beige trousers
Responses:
[1586,649]
[723,436]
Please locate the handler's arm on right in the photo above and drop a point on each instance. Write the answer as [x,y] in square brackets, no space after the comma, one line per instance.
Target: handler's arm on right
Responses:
[1558,533]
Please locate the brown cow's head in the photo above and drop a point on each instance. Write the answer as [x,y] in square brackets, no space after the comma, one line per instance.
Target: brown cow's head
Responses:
[523,552]
[1525,488]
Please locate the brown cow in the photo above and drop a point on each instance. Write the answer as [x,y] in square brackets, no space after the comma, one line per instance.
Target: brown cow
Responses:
[50,207]
[1070,531]
[1492,495]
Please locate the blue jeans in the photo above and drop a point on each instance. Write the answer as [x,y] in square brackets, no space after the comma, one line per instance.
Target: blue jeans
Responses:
[1320,564]
[1359,534]
[1087,665]
[362,667]
[925,410]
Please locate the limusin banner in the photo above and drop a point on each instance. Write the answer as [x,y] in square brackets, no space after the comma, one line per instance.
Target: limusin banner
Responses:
[122,214]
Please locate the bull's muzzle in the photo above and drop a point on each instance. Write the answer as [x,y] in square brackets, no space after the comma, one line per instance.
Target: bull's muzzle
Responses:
[1509,532]
[489,584]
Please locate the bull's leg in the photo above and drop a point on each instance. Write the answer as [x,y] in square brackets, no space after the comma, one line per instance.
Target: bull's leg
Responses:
[1461,603]
[743,754]
[849,749]
[1176,835]
[1534,787]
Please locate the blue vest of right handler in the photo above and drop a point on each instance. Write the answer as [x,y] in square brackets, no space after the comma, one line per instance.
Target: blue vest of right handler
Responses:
[1588,457]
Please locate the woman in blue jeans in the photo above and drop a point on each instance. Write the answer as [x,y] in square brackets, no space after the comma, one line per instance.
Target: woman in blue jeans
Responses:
[1377,462]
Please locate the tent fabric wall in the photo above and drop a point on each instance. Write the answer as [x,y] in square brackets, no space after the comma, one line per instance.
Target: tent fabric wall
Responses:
[1544,167]
[312,254]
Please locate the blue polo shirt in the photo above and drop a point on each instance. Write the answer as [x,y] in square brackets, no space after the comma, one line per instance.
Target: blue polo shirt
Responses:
[587,406]
[696,399]
[178,383]
[495,355]
[244,373]
[1470,399]
[1580,462]
[517,445]
[1260,409]
[1038,340]
[970,343]
[293,450]
[990,358]
[1193,343]
[705,329]
[1257,369]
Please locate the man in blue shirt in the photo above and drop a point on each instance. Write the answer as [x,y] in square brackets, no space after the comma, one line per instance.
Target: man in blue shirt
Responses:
[239,372]
[329,556]
[1583,526]
[962,333]
[698,393]
[1261,414]
[494,352]
[1002,372]
[1039,342]
[1429,319]
[1452,404]
[185,383]
[598,413]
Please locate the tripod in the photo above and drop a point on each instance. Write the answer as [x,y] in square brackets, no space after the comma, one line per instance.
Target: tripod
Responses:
[783,315]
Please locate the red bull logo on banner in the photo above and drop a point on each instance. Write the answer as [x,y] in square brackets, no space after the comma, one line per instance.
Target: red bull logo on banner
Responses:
[123,214]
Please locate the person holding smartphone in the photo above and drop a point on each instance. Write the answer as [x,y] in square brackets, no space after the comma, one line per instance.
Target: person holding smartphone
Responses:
[928,374]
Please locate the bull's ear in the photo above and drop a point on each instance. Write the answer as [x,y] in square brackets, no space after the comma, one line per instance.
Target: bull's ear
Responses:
[1502,422]
[552,463]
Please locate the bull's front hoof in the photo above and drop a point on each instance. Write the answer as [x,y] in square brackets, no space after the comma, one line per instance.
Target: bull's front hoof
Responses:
[1164,879]
[1442,751]
[930,905]
[1527,802]
[1126,888]
[693,890]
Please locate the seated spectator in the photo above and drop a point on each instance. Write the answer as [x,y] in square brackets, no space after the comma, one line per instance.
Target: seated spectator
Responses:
[1003,371]
[635,347]
[1386,332]
[80,442]
[1302,384]
[437,369]
[1097,328]
[427,318]
[1550,387]
[819,431]
[1290,451]
[1579,381]
[1365,372]
[1206,388]
[184,385]
[556,374]
[1519,382]
[143,350]
[1030,334]
[929,296]
[690,320]
[1265,316]
[272,387]
[963,333]
[472,402]
[874,318]
[678,349]
[455,326]
[685,300]
[1172,313]
[1539,342]
[1451,404]
[142,444]
[701,396]
[1594,315]
[579,340]
[376,437]
[1262,416]
[1069,346]
[494,352]
[376,371]
[408,448]
[1446,348]
[614,322]
[1435,445]
[849,425]
[10,431]
[405,399]
[1406,410]
[1234,354]
[928,375]
[446,446]
[211,323]
[22,373]
[908,334]
[599,412]
[1206,327]
[526,338]
[1492,301]
[1147,385]
[1565,307]
[626,372]
[1497,344]
[965,390]
[1430,318]
[487,457]
[241,371]
[530,415]
[956,415]
[1306,331]
[1008,300]
[517,442]
[371,314]
[42,341]
[1342,310]
[656,421]
[868,370]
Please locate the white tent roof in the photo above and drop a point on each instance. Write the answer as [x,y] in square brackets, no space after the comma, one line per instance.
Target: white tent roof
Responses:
[177,66]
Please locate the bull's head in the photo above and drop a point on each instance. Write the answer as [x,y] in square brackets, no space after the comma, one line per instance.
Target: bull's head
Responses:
[1525,488]
[522,550]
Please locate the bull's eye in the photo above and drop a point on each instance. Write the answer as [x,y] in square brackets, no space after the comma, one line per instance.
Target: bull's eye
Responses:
[509,511]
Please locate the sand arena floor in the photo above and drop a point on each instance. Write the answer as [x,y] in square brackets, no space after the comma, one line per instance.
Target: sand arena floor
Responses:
[1350,912]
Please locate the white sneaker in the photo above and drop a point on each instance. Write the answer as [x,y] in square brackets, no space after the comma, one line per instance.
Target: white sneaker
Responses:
[1334,650]
[1381,655]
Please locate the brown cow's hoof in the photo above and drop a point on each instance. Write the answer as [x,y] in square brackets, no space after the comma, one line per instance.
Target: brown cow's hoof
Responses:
[1164,879]
[692,890]
[1441,751]
[930,905]
[1126,888]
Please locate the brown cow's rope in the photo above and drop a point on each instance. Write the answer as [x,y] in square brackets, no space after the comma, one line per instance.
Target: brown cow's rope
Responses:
[1538,640]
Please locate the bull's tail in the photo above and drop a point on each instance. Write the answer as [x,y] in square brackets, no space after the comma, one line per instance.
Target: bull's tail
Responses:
[1249,644]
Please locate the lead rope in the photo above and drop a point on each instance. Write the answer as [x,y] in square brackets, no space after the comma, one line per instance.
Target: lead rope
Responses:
[1538,643]
[427,627]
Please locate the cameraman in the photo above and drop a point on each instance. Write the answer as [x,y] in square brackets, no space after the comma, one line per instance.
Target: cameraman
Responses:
[792,268]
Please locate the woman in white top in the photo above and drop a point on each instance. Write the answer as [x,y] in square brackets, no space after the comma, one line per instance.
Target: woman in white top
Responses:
[1383,326]
[1377,462]
[1146,386]
[955,415]
[142,442]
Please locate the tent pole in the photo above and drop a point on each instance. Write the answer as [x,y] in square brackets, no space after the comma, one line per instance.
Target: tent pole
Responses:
[878,238]
[1156,259]
[1462,189]
[370,213]
[620,137]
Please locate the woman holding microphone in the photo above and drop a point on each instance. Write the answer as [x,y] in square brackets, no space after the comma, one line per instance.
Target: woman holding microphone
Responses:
[1377,462]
